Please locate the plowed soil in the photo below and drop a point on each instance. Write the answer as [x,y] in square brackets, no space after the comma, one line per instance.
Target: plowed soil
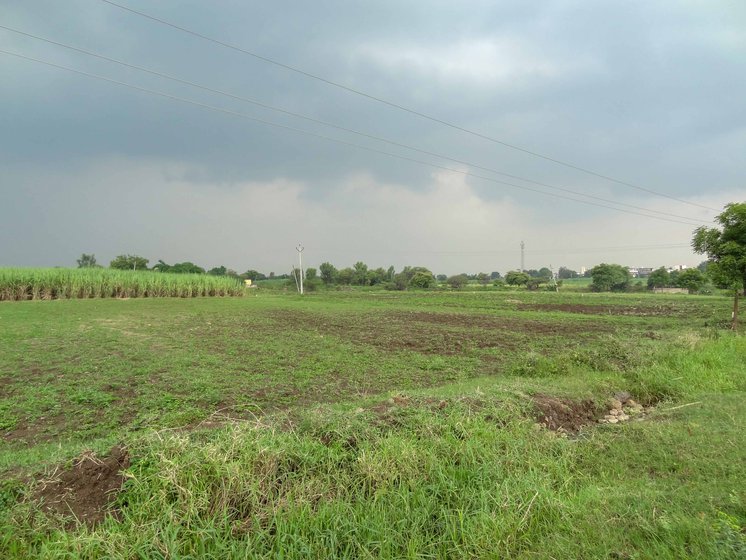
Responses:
[87,489]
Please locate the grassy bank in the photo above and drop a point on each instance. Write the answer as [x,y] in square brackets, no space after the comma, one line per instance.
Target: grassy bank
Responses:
[20,284]
[389,426]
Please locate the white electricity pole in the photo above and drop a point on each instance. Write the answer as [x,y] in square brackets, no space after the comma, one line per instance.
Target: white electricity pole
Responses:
[299,248]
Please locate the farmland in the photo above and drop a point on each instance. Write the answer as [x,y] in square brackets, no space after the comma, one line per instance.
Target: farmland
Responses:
[373,424]
[20,284]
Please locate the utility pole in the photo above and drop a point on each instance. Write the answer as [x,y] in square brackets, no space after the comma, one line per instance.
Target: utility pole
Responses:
[523,246]
[300,248]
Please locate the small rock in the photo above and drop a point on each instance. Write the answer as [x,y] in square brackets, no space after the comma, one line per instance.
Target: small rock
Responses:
[613,420]
[623,396]
[615,404]
[615,412]
[631,403]
[622,417]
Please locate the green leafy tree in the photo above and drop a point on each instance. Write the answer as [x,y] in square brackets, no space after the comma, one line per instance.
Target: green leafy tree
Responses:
[310,274]
[565,273]
[610,278]
[345,276]
[691,279]
[516,278]
[87,261]
[359,277]
[186,268]
[161,266]
[546,273]
[725,248]
[483,278]
[253,275]
[441,278]
[495,276]
[328,273]
[129,262]
[458,281]
[218,271]
[659,278]
[422,280]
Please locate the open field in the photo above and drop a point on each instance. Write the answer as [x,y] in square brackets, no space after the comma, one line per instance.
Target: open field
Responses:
[373,424]
[20,284]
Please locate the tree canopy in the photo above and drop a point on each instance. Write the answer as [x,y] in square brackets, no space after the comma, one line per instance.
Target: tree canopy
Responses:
[609,278]
[129,262]
[725,248]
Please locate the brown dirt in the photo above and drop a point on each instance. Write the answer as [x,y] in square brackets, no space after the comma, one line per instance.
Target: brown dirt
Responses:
[434,333]
[652,311]
[87,489]
[563,414]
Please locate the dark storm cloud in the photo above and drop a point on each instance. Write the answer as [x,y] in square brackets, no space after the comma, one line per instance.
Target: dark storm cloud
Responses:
[648,92]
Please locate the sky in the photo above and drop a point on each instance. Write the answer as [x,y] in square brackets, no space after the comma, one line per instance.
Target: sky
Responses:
[646,93]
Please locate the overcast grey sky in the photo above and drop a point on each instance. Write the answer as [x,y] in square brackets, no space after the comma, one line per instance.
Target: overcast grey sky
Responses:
[651,93]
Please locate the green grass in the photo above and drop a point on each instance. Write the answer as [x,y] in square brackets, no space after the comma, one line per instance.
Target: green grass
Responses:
[265,426]
[64,283]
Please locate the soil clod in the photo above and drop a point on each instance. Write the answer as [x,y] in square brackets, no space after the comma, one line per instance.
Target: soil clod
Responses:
[87,489]
[564,415]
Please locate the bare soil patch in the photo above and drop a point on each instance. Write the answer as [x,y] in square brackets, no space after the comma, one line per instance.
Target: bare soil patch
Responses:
[563,414]
[87,489]
[435,333]
[636,311]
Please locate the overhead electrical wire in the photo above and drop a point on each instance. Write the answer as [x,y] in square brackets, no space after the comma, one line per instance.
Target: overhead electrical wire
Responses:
[404,108]
[535,251]
[332,139]
[338,127]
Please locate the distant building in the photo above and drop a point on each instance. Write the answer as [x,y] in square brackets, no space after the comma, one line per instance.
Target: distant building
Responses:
[677,268]
[639,271]
[582,271]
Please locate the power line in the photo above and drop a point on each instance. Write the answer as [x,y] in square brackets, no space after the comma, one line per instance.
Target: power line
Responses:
[338,127]
[533,252]
[337,140]
[404,108]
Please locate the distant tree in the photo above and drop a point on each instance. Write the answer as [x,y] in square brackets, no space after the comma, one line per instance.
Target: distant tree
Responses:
[483,278]
[702,267]
[422,280]
[87,261]
[588,273]
[546,273]
[533,273]
[725,248]
[400,282]
[565,273]
[659,278]
[186,268]
[129,262]
[375,276]
[161,266]
[345,276]
[458,281]
[254,275]
[218,271]
[328,273]
[360,273]
[390,273]
[441,277]
[610,278]
[495,276]
[310,274]
[271,275]
[691,279]
[515,278]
